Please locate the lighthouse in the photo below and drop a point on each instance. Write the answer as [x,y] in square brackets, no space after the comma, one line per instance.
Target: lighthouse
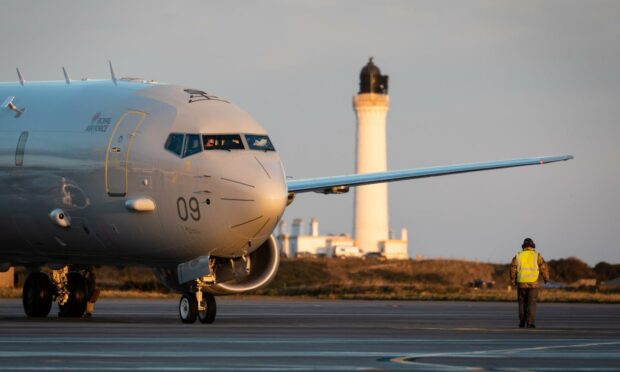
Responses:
[370,224]
[371,105]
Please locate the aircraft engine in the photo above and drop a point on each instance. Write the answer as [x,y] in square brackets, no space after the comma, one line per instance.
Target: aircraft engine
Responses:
[262,264]
[233,275]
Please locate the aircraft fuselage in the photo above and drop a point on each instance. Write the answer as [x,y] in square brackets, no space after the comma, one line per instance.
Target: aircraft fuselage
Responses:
[92,148]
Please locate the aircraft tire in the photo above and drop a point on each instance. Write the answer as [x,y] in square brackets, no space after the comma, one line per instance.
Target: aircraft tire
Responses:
[207,316]
[37,295]
[188,308]
[76,305]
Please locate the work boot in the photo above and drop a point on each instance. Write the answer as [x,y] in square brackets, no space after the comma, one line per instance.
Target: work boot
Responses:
[90,307]
[531,325]
[521,324]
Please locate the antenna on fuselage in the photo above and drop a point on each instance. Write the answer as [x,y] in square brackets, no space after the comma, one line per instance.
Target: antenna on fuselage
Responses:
[112,73]
[67,77]
[21,78]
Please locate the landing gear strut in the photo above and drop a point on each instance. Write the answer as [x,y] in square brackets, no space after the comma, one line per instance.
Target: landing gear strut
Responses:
[199,304]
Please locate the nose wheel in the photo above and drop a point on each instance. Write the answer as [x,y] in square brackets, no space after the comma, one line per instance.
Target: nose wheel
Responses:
[207,308]
[188,308]
[197,305]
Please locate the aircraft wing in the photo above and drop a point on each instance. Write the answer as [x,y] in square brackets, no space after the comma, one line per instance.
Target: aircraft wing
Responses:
[340,184]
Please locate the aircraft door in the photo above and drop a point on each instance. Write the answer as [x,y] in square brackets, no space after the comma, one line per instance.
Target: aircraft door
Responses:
[118,151]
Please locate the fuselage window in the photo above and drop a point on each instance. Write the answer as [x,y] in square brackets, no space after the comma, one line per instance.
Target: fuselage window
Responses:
[259,142]
[222,142]
[192,145]
[174,143]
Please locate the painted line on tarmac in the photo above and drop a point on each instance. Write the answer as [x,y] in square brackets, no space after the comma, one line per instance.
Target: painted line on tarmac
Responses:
[140,354]
[511,350]
[279,340]
[184,368]
[291,313]
[281,354]
[550,347]
[412,359]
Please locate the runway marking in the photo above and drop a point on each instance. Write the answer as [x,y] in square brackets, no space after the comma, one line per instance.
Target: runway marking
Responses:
[428,367]
[199,368]
[267,314]
[513,350]
[283,354]
[411,359]
[293,313]
[173,324]
[272,340]
[191,354]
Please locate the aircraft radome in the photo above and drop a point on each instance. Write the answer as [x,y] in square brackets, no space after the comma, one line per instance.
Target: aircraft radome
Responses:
[133,172]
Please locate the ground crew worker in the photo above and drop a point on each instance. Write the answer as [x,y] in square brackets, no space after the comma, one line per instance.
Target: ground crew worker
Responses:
[524,273]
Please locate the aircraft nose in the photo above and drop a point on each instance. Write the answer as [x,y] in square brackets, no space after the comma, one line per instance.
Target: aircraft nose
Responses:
[254,215]
[271,191]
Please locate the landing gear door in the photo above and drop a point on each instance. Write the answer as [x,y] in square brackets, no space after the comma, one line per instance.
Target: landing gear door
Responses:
[118,152]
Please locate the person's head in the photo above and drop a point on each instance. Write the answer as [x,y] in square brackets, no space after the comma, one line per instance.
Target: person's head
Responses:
[528,243]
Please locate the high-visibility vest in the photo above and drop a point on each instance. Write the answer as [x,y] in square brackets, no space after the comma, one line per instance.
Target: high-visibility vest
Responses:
[527,266]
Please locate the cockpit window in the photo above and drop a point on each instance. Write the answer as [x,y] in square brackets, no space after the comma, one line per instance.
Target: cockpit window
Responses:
[174,143]
[222,142]
[259,142]
[192,144]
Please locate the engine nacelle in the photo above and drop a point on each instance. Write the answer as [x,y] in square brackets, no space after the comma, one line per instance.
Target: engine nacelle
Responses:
[233,275]
[263,267]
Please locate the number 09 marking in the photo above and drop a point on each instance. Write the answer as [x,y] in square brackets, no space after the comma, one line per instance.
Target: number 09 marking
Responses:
[184,212]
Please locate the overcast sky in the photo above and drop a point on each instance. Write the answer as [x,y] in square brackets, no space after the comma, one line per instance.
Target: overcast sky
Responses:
[469,81]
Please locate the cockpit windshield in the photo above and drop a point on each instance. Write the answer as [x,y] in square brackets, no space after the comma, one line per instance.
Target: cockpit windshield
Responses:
[259,142]
[222,142]
[183,144]
[174,143]
[186,144]
[192,145]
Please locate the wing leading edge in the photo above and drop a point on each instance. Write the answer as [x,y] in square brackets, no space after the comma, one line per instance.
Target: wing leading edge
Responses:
[337,184]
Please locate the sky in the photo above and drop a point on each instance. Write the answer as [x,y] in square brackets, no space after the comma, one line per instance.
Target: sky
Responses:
[469,81]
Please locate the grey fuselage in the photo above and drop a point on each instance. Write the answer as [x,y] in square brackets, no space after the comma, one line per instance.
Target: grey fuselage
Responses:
[90,147]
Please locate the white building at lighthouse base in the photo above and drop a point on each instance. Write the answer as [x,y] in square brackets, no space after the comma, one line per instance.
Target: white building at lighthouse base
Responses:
[298,244]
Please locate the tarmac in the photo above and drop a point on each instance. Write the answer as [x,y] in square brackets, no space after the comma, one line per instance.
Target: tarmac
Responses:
[293,334]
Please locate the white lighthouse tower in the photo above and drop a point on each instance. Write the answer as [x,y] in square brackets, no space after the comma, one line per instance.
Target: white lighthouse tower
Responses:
[371,105]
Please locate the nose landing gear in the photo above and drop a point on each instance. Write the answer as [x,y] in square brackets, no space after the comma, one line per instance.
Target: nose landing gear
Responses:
[199,304]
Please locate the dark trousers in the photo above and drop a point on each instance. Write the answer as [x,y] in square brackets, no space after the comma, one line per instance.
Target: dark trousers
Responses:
[527,304]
